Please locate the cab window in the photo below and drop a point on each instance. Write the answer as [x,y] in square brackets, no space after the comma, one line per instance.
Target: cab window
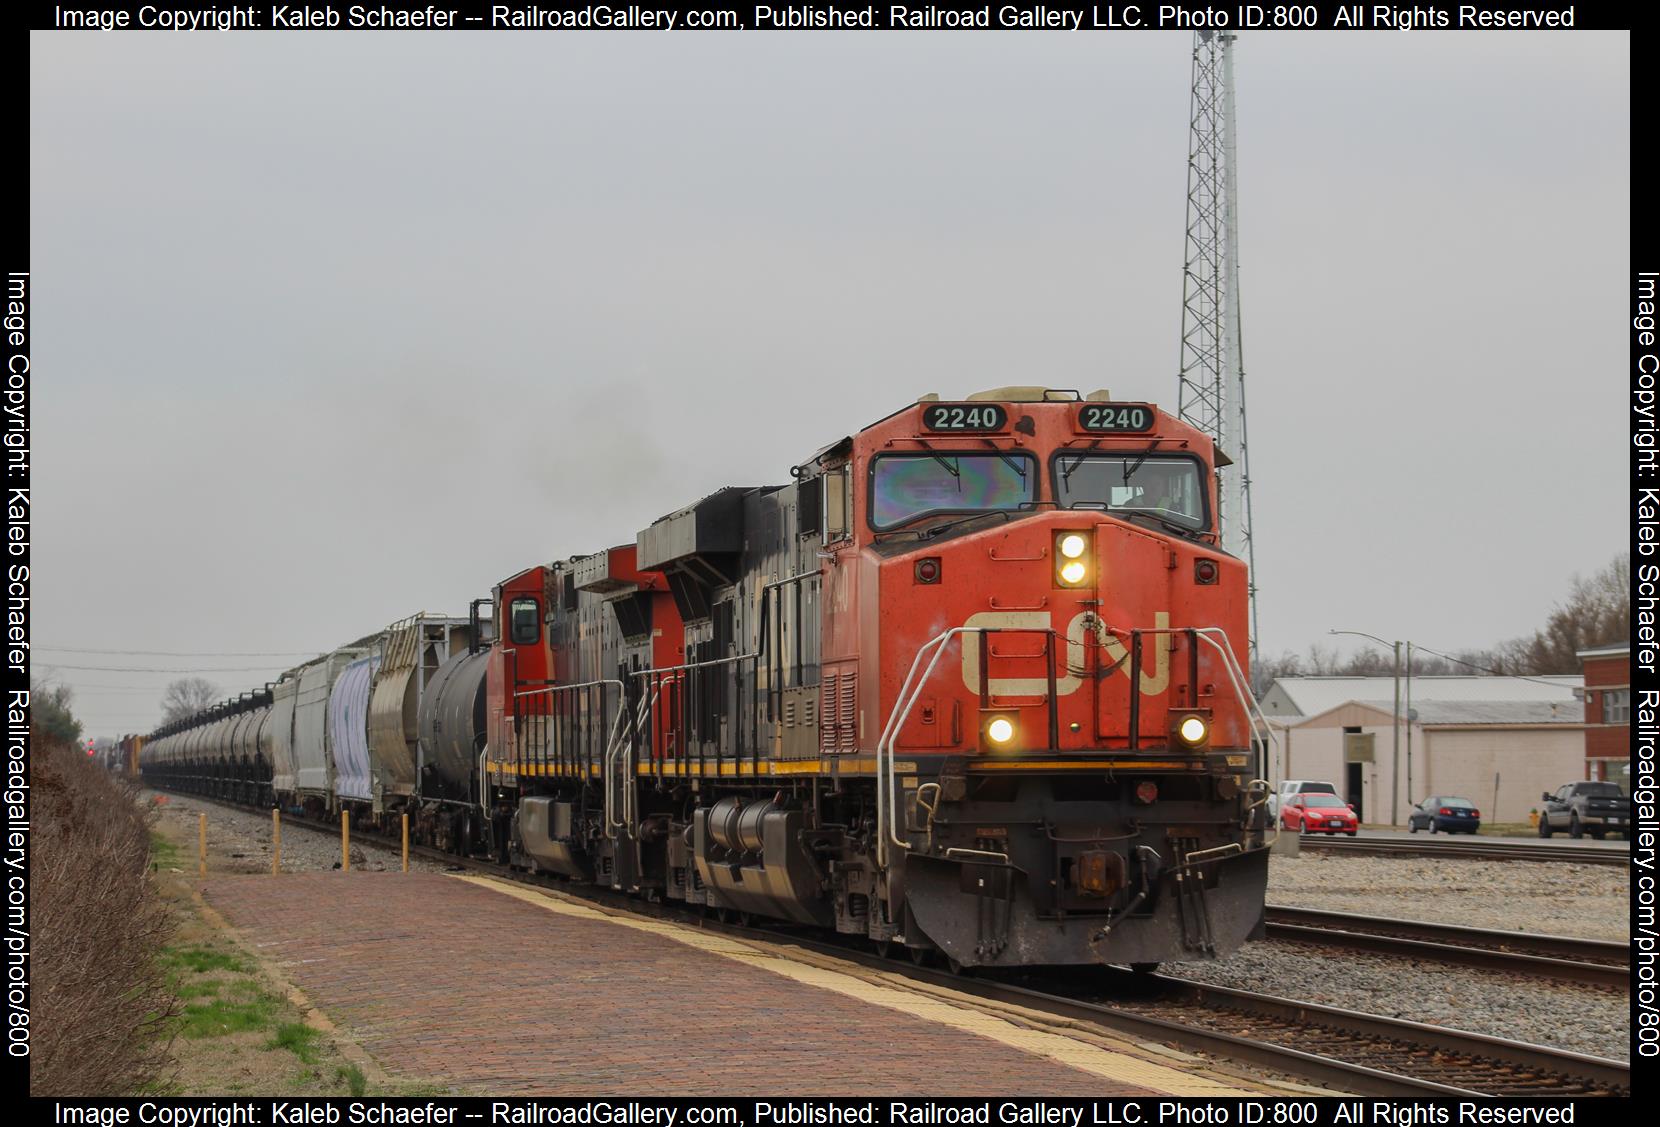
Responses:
[1170,488]
[524,625]
[904,487]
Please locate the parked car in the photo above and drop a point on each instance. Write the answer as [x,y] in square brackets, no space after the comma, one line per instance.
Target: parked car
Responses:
[1445,813]
[1314,813]
[1290,787]
[1586,808]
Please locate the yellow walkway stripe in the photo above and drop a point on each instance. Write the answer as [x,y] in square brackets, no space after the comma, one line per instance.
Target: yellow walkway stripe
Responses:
[895,993]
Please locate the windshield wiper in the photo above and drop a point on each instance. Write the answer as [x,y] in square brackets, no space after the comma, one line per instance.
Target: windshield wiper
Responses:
[950,467]
[1128,470]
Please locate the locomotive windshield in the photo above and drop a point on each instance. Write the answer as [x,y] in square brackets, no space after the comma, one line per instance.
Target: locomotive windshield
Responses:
[907,486]
[1169,488]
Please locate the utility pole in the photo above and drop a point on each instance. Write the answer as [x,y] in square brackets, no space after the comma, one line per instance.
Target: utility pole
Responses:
[1211,394]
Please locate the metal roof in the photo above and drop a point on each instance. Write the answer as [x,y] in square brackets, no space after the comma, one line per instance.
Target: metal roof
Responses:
[1488,711]
[1309,696]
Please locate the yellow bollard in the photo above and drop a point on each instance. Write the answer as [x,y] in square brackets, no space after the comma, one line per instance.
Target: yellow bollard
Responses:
[276,840]
[345,841]
[406,843]
[201,841]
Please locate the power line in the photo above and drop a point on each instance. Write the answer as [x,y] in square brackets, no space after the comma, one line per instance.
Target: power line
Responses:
[178,653]
[1493,672]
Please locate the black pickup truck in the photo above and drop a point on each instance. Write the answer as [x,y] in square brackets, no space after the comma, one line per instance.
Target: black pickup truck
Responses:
[1586,808]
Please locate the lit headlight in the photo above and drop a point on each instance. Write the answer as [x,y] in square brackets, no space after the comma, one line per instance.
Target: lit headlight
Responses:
[1190,729]
[1072,559]
[1000,730]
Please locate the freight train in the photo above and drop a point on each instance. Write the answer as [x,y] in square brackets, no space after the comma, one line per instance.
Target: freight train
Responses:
[972,684]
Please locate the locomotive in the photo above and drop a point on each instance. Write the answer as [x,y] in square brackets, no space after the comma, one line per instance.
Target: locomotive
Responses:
[972,684]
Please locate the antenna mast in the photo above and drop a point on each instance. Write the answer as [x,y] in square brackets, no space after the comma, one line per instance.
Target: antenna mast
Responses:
[1212,391]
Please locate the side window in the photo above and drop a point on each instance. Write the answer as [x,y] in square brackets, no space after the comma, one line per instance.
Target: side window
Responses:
[1616,706]
[524,626]
[838,504]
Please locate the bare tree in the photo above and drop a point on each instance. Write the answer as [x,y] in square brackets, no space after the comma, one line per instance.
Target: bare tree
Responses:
[186,697]
[1597,611]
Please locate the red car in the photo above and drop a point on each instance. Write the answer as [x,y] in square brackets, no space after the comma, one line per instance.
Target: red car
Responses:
[1319,814]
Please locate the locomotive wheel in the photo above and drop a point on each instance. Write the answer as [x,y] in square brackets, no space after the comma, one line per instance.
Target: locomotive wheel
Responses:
[1144,968]
[884,948]
[919,955]
[746,919]
[955,967]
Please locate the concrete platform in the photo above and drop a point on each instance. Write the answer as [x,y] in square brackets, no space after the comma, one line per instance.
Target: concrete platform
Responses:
[502,988]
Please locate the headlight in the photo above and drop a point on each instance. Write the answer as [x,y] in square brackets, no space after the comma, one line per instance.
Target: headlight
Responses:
[1000,730]
[1072,562]
[1190,729]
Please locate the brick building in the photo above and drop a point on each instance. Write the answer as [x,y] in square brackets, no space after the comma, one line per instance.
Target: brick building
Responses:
[1608,712]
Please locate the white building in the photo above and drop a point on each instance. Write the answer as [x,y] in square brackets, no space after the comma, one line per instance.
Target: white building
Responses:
[1497,741]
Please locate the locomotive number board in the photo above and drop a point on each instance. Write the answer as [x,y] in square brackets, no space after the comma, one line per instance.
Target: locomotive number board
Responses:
[972,417]
[1115,418]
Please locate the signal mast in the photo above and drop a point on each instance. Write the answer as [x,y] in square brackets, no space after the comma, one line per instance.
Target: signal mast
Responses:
[1212,378]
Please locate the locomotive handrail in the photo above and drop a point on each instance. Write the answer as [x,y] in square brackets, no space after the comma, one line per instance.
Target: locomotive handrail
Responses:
[552,689]
[886,801]
[1230,664]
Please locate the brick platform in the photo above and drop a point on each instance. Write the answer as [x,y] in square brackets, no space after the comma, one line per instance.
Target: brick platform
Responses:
[504,990]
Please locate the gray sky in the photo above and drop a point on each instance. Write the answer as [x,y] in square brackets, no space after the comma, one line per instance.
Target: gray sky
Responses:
[334,328]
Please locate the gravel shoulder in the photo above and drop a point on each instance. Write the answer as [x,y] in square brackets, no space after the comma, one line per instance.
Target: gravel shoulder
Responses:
[1547,898]
[1590,901]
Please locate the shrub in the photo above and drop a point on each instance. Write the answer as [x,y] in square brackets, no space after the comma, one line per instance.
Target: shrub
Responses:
[101,1001]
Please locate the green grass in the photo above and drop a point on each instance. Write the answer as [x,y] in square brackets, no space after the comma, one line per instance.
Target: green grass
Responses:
[352,1077]
[220,1017]
[209,988]
[163,853]
[299,1039]
[201,960]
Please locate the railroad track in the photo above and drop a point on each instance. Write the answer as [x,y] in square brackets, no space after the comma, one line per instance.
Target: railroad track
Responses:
[1374,1055]
[1563,958]
[1473,848]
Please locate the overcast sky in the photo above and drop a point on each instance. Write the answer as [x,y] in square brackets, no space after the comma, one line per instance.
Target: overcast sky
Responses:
[334,328]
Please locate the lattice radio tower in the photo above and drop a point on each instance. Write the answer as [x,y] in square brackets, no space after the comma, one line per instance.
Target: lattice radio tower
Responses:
[1212,395]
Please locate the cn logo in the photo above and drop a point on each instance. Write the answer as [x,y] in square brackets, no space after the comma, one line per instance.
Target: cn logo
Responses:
[1113,652]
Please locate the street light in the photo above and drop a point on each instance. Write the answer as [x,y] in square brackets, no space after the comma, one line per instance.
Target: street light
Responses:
[1395,759]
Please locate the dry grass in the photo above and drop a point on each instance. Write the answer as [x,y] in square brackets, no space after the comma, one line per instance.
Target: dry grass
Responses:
[102,1007]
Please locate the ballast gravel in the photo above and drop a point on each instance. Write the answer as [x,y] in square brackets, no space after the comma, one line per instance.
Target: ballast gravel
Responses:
[1543,897]
[239,841]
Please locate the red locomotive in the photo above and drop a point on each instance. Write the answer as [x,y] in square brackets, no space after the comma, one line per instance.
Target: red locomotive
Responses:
[972,683]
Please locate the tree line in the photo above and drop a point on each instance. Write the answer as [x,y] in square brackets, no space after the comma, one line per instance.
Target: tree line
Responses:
[1596,612]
